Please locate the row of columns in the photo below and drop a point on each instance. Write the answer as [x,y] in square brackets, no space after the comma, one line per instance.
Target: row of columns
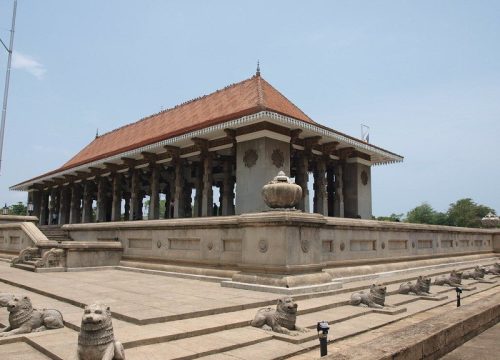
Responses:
[73,203]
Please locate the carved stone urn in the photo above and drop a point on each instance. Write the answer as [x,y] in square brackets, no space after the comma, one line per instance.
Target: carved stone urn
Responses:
[281,193]
[490,221]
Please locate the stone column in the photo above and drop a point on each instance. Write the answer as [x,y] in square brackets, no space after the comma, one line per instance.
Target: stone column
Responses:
[52,206]
[301,179]
[140,205]
[36,198]
[320,197]
[63,205]
[198,184]
[74,211]
[87,202]
[154,197]
[101,200]
[330,188]
[126,208]
[44,210]
[207,193]
[116,206]
[179,190]
[134,195]
[166,214]
[339,191]
[227,189]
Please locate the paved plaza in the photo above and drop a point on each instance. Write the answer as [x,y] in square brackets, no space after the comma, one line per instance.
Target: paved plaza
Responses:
[165,317]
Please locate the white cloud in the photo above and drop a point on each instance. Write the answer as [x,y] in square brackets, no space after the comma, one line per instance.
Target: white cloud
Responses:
[27,63]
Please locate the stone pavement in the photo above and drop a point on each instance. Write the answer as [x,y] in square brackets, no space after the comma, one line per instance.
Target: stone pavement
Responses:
[485,346]
[163,317]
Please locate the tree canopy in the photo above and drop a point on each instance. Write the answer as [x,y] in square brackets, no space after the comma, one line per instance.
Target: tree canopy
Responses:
[463,212]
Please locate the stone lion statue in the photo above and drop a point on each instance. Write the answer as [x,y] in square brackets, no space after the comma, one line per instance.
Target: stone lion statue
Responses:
[96,340]
[454,279]
[24,319]
[421,286]
[494,269]
[281,320]
[374,299]
[476,274]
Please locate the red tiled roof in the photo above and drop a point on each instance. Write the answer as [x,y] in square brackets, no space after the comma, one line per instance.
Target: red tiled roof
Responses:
[247,97]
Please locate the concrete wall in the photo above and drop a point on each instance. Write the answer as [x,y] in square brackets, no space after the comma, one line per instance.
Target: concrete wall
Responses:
[14,238]
[285,241]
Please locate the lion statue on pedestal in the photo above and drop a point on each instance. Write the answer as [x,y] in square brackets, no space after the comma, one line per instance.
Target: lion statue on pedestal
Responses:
[421,286]
[454,279]
[374,299]
[96,340]
[24,319]
[281,320]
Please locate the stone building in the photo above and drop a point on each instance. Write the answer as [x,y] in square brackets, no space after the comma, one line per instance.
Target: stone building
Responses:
[235,139]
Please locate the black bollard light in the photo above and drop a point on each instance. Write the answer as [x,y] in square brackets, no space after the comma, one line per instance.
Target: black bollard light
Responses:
[323,328]
[459,291]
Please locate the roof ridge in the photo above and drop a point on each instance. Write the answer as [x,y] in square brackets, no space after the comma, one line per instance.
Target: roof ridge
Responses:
[260,92]
[175,107]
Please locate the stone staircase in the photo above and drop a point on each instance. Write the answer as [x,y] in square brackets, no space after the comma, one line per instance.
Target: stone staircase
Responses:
[55,233]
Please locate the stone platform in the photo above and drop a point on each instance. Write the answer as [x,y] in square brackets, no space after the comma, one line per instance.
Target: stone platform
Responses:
[159,316]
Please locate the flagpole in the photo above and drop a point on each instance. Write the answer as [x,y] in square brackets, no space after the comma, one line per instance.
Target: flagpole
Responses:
[7,80]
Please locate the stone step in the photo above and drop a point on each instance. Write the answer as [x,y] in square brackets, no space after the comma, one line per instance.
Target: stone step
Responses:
[27,267]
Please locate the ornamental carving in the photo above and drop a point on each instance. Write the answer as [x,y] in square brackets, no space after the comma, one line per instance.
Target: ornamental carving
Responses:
[383,245]
[263,246]
[158,244]
[250,158]
[278,158]
[304,244]
[210,245]
[342,246]
[364,177]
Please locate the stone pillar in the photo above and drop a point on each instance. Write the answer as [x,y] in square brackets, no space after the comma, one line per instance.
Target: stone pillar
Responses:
[101,200]
[74,211]
[126,208]
[339,191]
[227,188]
[87,202]
[154,197]
[44,209]
[207,200]
[179,190]
[330,189]
[258,161]
[302,179]
[198,185]
[140,205]
[116,206]
[357,189]
[320,196]
[64,205]
[166,191]
[36,198]
[52,206]
[134,195]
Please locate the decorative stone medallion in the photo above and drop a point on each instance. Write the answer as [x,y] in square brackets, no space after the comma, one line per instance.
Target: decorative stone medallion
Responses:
[413,244]
[456,243]
[278,158]
[383,245]
[342,246]
[250,158]
[304,244]
[364,177]
[158,244]
[263,246]
[210,245]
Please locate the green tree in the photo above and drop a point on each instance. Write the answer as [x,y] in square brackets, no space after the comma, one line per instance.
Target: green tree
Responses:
[466,213]
[18,209]
[425,214]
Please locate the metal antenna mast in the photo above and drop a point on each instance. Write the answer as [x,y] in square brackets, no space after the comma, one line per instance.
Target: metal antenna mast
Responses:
[7,79]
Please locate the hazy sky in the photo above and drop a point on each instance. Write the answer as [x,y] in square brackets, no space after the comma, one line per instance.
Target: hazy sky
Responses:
[424,75]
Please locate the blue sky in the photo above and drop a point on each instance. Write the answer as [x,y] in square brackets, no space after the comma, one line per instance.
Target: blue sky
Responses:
[424,75]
